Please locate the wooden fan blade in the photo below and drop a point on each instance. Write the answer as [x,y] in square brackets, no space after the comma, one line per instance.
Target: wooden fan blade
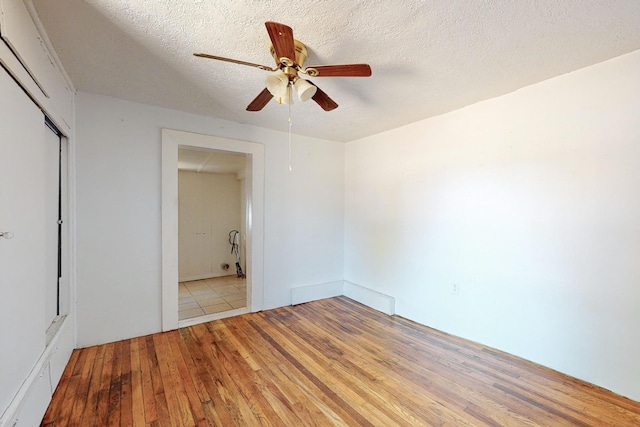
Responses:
[323,100]
[235,61]
[260,101]
[347,70]
[282,38]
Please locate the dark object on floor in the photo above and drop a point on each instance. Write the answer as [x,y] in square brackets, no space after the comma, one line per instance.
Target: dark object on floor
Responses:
[234,241]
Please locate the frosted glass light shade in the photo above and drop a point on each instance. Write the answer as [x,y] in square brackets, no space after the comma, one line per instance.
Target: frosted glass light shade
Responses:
[278,86]
[285,96]
[305,89]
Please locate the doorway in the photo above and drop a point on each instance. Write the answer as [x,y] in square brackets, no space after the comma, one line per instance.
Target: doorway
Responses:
[211,231]
[253,224]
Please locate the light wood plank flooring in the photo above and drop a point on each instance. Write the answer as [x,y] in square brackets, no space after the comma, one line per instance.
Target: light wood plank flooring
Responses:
[329,362]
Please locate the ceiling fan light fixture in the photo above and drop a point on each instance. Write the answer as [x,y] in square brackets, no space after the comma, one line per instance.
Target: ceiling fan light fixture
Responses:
[304,89]
[286,97]
[277,83]
[278,86]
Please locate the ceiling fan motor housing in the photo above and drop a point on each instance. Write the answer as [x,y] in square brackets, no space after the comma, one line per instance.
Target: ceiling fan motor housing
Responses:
[301,54]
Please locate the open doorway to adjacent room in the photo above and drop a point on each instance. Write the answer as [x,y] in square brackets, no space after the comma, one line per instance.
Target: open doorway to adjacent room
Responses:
[212,203]
[212,228]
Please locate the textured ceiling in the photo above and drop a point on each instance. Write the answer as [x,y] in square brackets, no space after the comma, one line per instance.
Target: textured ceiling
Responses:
[428,57]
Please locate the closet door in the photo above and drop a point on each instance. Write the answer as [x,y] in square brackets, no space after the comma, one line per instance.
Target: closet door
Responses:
[23,257]
[51,147]
[194,226]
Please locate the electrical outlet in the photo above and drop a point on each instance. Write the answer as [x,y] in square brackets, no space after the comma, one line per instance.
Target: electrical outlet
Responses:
[455,289]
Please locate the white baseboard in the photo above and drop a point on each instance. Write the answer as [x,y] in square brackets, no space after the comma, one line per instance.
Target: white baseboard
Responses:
[376,300]
[373,299]
[304,294]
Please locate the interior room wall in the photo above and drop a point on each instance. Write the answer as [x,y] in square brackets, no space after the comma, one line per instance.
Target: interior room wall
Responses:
[209,208]
[528,204]
[118,161]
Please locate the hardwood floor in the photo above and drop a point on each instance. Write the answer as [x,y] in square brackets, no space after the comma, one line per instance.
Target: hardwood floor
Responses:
[329,362]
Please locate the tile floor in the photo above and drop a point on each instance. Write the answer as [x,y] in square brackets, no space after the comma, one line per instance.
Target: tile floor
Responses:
[208,296]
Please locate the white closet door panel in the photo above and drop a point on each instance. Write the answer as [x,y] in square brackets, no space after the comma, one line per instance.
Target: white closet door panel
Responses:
[194,226]
[22,207]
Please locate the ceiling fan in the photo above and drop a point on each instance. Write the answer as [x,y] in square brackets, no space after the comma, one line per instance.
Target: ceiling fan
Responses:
[290,56]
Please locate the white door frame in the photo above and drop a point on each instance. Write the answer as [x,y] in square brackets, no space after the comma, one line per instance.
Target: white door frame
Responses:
[171,139]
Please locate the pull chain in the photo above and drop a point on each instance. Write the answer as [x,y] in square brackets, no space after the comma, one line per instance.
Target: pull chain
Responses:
[290,124]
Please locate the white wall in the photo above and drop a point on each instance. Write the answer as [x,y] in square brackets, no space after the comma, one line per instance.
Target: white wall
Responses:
[209,208]
[530,203]
[118,159]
